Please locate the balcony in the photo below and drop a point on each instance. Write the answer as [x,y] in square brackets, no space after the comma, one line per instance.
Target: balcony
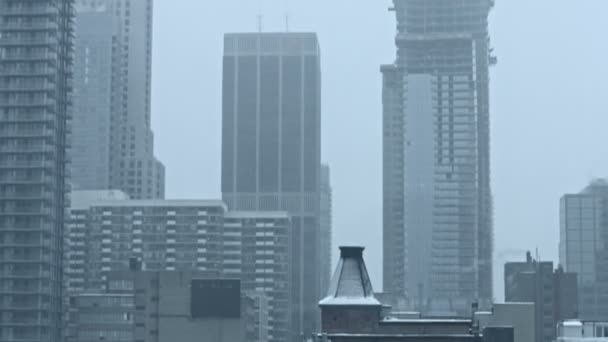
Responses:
[37,102]
[33,26]
[34,164]
[28,72]
[25,275]
[25,211]
[21,180]
[35,118]
[25,133]
[31,259]
[29,56]
[26,84]
[30,148]
[28,42]
[32,10]
[26,196]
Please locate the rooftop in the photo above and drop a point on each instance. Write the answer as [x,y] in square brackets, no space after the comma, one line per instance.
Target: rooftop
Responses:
[350,284]
[160,203]
[257,215]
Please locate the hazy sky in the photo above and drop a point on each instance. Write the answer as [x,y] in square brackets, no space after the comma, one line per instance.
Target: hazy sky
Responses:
[548,107]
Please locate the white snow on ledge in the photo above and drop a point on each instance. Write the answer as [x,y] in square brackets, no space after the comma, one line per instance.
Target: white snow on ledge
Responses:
[352,301]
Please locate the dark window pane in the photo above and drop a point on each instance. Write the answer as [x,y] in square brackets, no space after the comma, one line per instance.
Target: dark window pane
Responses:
[291,125]
[246,122]
[311,124]
[228,125]
[269,124]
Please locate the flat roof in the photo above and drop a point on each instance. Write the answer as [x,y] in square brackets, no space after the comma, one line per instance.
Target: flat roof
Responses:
[426,321]
[256,214]
[401,336]
[161,203]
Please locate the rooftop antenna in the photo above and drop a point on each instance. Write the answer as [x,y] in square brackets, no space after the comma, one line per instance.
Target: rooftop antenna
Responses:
[286,22]
[286,15]
[260,17]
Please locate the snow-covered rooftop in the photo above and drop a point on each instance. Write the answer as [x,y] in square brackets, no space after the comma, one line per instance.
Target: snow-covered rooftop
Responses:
[350,284]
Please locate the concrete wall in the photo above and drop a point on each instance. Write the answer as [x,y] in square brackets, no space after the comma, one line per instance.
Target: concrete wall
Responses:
[520,316]
[175,323]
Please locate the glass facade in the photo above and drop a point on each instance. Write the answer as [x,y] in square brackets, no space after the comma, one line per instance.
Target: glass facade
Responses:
[583,246]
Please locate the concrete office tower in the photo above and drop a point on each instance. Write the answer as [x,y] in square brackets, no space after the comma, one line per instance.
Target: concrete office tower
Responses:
[113,144]
[583,246]
[271,147]
[35,102]
[326,228]
[255,250]
[554,293]
[437,199]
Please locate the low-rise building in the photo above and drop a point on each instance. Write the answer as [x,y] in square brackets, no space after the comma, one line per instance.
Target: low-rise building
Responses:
[102,317]
[554,293]
[106,231]
[161,306]
[579,331]
[520,316]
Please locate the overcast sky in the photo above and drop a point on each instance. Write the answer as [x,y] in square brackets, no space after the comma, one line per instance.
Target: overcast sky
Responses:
[549,97]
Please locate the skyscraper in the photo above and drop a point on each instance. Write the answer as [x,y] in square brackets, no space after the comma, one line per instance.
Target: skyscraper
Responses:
[583,246]
[271,146]
[35,79]
[113,144]
[437,199]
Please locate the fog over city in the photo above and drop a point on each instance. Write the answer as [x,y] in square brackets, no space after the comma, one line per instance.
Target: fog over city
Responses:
[303,171]
[547,107]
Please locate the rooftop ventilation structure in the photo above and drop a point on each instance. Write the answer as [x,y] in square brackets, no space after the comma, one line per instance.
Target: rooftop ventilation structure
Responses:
[350,284]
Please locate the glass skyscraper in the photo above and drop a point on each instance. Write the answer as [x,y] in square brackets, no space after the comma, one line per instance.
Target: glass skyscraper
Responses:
[437,198]
[271,147]
[583,246]
[35,92]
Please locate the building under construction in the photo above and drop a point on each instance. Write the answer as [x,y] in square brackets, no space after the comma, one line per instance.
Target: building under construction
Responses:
[437,197]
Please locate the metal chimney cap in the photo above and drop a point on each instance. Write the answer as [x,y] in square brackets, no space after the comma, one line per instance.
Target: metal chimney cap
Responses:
[351,251]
